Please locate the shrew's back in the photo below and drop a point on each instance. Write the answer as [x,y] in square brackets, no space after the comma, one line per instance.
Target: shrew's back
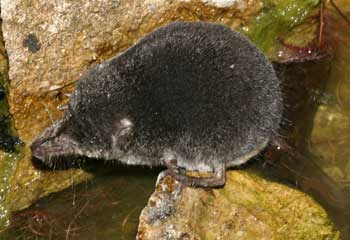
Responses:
[197,91]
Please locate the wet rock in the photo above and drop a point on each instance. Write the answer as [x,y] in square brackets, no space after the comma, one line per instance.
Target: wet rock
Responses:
[248,207]
[2,92]
[8,142]
[335,172]
[330,140]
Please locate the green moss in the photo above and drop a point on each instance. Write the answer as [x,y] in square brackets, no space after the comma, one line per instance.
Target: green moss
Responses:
[7,139]
[278,18]
[7,166]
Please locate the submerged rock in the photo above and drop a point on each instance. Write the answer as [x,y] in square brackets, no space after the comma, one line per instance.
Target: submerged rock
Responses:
[329,137]
[248,207]
[330,140]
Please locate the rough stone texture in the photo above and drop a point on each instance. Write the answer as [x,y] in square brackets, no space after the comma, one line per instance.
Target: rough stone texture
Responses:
[51,43]
[248,207]
[241,5]
[6,159]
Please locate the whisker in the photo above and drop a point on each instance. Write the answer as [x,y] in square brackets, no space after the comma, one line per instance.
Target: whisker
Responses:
[48,111]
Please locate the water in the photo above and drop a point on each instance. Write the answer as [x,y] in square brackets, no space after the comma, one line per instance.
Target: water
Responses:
[106,207]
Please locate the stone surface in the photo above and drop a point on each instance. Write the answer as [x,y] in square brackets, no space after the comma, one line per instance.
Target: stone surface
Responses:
[248,207]
[242,5]
[7,159]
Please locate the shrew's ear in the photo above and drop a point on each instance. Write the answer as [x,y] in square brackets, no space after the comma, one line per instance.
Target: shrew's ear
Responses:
[124,126]
[123,131]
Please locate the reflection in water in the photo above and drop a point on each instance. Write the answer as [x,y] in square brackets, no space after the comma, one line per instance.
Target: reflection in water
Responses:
[330,136]
[318,113]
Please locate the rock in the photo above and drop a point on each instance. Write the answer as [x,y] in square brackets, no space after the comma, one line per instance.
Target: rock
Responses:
[7,140]
[329,137]
[248,207]
[2,92]
[335,172]
[330,140]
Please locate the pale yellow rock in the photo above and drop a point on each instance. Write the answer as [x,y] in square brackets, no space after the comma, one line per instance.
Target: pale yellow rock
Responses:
[248,207]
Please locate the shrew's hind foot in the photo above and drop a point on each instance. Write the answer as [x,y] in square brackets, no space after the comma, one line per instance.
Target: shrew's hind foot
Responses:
[218,179]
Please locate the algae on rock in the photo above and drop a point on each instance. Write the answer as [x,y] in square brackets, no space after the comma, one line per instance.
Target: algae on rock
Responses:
[278,19]
[8,142]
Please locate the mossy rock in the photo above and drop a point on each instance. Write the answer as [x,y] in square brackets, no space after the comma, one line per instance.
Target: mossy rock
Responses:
[248,207]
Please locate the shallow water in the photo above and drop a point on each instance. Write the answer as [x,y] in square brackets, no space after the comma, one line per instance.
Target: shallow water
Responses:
[317,121]
[106,207]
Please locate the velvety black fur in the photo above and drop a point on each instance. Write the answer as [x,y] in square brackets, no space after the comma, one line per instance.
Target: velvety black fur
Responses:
[195,92]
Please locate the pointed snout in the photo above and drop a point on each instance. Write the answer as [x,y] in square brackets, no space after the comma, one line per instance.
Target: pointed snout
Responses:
[40,145]
[37,149]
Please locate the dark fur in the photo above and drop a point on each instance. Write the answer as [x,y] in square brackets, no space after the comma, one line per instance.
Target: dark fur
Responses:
[197,92]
